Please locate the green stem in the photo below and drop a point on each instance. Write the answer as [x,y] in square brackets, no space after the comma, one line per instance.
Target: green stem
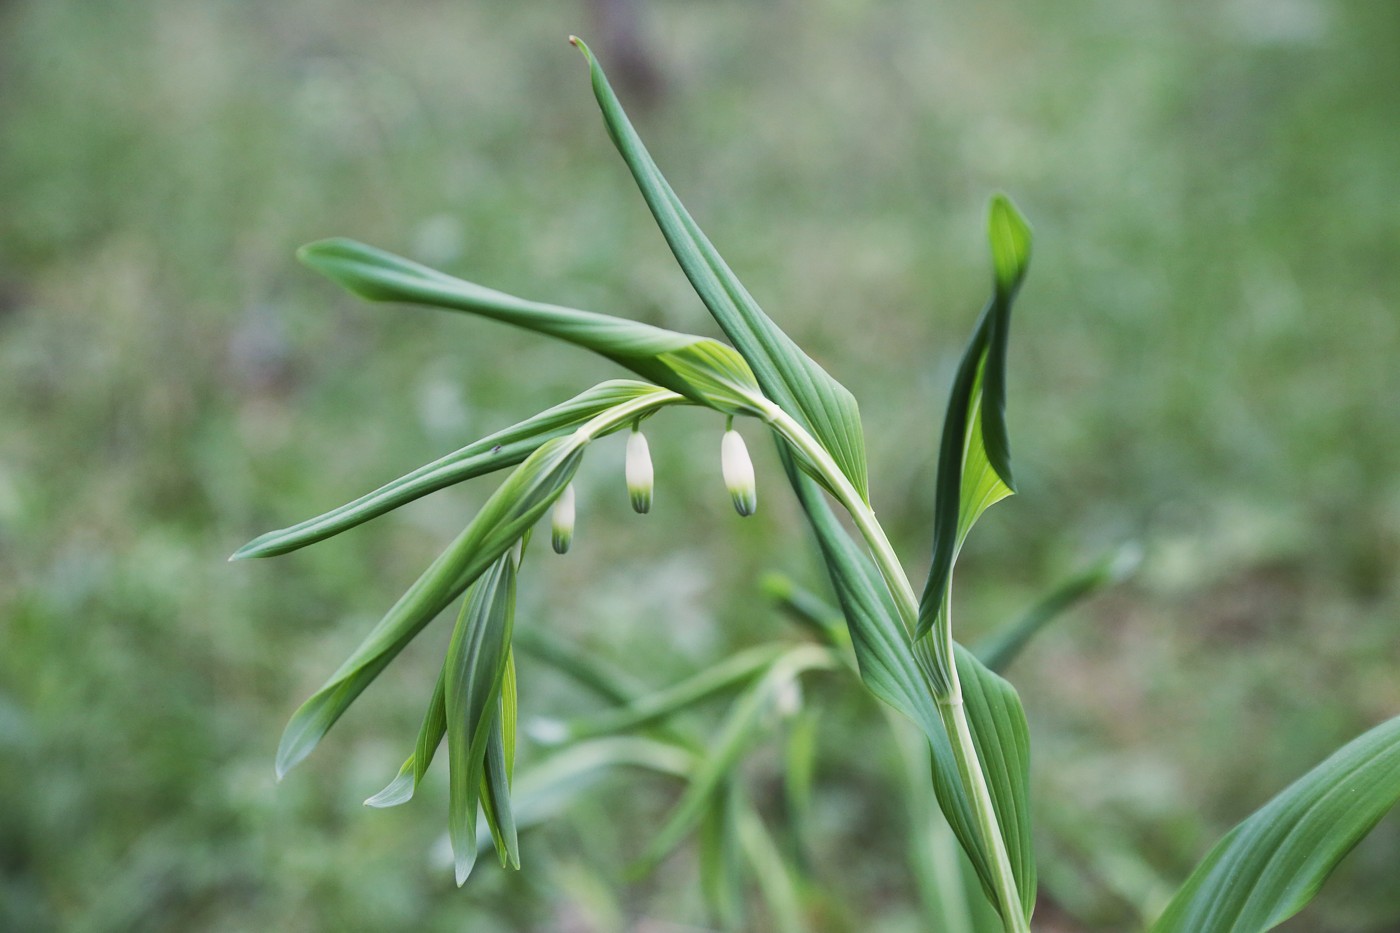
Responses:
[950,704]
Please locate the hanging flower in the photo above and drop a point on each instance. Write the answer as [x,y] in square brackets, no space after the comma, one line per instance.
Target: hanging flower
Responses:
[564,520]
[639,471]
[737,468]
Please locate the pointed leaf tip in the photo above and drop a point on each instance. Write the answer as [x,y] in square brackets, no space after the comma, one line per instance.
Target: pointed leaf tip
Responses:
[1010,236]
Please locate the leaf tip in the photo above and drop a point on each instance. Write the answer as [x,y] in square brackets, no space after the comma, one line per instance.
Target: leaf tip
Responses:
[463,866]
[1010,236]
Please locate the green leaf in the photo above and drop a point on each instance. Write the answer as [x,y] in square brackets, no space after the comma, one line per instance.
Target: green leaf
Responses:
[974,457]
[825,622]
[519,502]
[430,734]
[550,784]
[703,370]
[721,881]
[787,375]
[740,727]
[728,673]
[775,876]
[496,800]
[476,662]
[1267,868]
[1002,740]
[1005,646]
[500,764]
[502,449]
[888,665]
[901,676]
[799,769]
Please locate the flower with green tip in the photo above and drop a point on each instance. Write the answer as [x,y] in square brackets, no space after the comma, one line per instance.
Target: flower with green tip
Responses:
[563,520]
[737,468]
[639,471]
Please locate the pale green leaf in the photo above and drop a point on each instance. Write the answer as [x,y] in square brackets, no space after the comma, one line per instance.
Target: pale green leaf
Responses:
[777,881]
[519,502]
[502,449]
[402,788]
[888,665]
[1002,740]
[787,375]
[1003,647]
[974,456]
[500,767]
[642,711]
[719,856]
[1270,866]
[739,729]
[703,370]
[476,661]
[549,785]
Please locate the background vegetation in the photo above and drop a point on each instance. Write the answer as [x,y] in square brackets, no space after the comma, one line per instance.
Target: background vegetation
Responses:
[1204,360]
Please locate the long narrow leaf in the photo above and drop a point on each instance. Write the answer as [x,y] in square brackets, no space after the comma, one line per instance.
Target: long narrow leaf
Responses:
[1004,646]
[974,457]
[721,881]
[788,376]
[1002,741]
[729,673]
[500,763]
[1267,868]
[430,734]
[699,368]
[738,731]
[888,665]
[496,452]
[476,661]
[507,514]
[547,786]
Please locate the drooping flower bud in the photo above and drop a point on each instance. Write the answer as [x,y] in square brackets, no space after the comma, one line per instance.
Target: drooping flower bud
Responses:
[639,471]
[564,520]
[737,468]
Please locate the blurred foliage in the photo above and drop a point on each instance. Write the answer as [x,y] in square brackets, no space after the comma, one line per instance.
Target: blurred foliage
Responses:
[1204,360]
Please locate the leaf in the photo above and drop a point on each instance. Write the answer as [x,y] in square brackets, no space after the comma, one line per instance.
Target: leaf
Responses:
[776,878]
[550,784]
[724,750]
[1268,867]
[1002,740]
[799,767]
[430,734]
[887,664]
[701,369]
[719,858]
[611,683]
[974,457]
[500,450]
[500,765]
[825,622]
[787,375]
[642,711]
[476,661]
[519,502]
[1006,645]
[899,674]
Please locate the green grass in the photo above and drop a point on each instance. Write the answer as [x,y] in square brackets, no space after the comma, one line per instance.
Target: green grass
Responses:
[1204,359]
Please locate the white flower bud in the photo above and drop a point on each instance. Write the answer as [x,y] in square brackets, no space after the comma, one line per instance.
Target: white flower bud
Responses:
[737,468]
[564,520]
[639,471]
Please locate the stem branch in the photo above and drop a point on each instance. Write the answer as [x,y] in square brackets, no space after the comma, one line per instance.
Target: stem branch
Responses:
[950,705]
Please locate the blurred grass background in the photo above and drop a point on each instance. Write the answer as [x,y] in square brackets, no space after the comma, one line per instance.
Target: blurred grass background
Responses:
[1204,360]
